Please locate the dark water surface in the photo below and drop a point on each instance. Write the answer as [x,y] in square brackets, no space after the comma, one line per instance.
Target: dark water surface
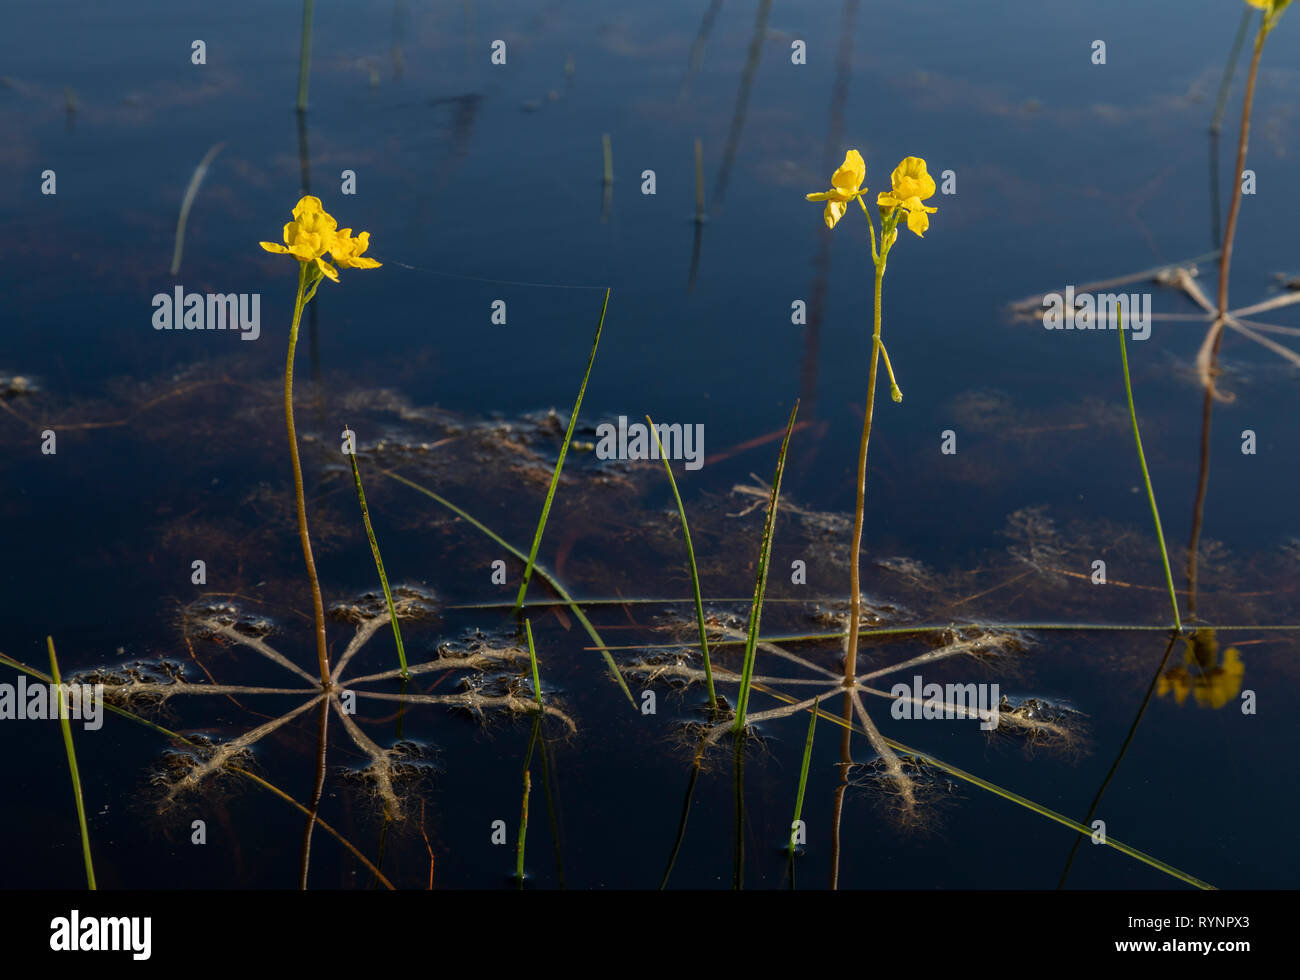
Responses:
[482,183]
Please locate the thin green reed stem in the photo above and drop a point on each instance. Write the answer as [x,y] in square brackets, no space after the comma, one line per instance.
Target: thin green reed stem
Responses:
[379,562]
[72,763]
[532,659]
[855,558]
[760,585]
[559,464]
[803,771]
[1146,475]
[318,608]
[304,55]
[695,572]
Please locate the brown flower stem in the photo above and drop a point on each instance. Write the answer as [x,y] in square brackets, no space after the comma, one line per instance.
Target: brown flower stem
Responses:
[1225,260]
[303,298]
[855,587]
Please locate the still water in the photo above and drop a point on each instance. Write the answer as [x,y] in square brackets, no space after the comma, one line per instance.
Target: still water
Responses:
[457,362]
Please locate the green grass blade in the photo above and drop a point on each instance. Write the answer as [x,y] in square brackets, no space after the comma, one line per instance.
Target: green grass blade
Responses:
[559,464]
[760,585]
[546,576]
[72,765]
[379,562]
[532,659]
[803,771]
[695,573]
[1146,475]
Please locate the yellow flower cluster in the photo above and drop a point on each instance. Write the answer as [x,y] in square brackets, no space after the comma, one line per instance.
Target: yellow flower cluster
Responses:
[911,185]
[313,233]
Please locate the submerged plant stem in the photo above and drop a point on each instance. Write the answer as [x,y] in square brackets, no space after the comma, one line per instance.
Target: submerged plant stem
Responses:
[318,608]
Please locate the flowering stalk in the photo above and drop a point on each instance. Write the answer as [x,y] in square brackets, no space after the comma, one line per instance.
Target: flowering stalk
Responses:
[311,236]
[306,290]
[911,184]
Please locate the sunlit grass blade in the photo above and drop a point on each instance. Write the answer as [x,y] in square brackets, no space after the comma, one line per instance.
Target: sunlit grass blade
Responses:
[1146,475]
[695,572]
[559,463]
[379,562]
[803,774]
[546,576]
[532,659]
[760,585]
[72,764]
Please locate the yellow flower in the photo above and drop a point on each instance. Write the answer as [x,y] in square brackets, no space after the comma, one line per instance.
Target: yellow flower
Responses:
[846,184]
[346,250]
[911,185]
[309,235]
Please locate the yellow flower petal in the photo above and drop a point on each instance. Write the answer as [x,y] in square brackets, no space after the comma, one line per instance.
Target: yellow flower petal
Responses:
[834,211]
[850,175]
[272,247]
[846,184]
[910,179]
[307,205]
